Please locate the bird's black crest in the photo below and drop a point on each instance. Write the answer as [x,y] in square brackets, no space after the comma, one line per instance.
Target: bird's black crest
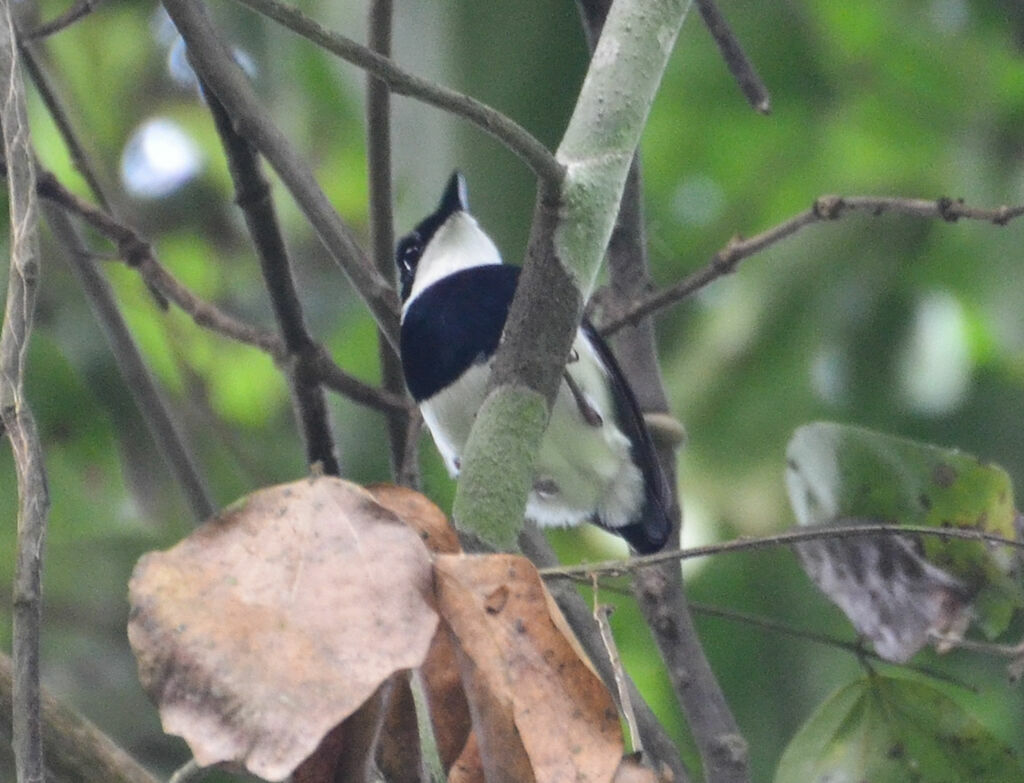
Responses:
[410,247]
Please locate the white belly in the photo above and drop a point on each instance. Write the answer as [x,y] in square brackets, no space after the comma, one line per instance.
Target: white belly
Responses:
[582,470]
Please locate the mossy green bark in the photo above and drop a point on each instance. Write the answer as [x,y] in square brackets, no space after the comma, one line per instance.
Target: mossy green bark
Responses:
[498,467]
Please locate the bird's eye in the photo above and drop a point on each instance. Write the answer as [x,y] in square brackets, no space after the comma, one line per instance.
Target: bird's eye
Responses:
[409,251]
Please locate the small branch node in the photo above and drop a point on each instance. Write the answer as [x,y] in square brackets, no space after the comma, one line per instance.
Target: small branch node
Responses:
[949,209]
[828,207]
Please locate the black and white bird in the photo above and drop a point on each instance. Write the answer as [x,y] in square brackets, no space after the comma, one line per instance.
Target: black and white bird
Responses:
[596,461]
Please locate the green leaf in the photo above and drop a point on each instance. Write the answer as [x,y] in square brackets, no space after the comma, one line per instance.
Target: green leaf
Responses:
[837,472]
[888,730]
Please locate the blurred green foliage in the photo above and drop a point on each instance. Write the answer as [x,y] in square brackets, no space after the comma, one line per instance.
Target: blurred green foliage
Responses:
[909,326]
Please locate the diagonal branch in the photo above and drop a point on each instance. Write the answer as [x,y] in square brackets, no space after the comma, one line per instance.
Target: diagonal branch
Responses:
[401,82]
[740,66]
[78,10]
[222,75]
[33,495]
[252,194]
[138,253]
[824,209]
[137,377]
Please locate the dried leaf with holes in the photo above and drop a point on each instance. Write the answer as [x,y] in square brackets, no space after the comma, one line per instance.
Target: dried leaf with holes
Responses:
[277,619]
[539,710]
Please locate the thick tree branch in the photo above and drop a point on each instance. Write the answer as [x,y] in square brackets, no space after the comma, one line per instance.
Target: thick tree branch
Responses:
[573,221]
[252,194]
[222,75]
[33,495]
[515,137]
[825,208]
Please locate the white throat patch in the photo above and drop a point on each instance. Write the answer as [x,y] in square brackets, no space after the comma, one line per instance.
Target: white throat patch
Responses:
[458,244]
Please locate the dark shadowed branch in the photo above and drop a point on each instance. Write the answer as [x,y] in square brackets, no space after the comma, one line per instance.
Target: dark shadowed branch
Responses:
[78,10]
[36,67]
[824,208]
[252,194]
[740,66]
[217,69]
[18,423]
[404,462]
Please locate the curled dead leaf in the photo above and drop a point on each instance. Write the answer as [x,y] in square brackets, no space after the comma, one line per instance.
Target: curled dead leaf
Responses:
[277,619]
[539,711]
[421,514]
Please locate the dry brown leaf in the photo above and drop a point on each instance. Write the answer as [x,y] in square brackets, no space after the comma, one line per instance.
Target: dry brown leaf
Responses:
[398,755]
[420,513]
[539,711]
[467,767]
[449,712]
[277,619]
[632,771]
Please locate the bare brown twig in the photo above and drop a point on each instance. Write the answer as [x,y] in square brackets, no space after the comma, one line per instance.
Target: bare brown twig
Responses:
[619,567]
[824,208]
[252,194]
[77,11]
[138,253]
[218,70]
[514,136]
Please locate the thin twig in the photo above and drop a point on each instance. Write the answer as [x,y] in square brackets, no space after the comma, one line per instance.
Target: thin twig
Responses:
[252,194]
[218,70]
[619,567]
[138,253]
[740,66]
[33,496]
[601,614]
[77,11]
[55,108]
[825,208]
[531,151]
[136,375]
[404,467]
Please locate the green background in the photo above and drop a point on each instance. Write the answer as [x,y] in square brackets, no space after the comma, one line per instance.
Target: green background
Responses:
[906,325]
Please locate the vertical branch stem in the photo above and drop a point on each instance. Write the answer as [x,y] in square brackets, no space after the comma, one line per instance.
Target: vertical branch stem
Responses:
[33,495]
[404,466]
